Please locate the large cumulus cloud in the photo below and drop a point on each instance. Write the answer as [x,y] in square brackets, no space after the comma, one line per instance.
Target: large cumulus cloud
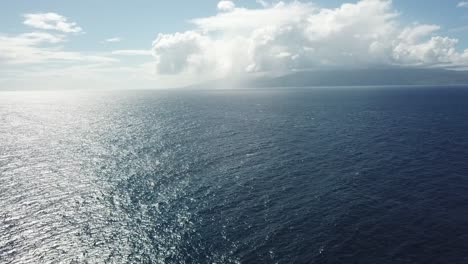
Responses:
[296,35]
[176,52]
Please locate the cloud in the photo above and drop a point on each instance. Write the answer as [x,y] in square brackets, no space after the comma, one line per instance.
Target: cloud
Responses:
[263,3]
[44,47]
[291,36]
[41,47]
[32,38]
[174,53]
[226,6]
[113,40]
[462,4]
[132,52]
[40,60]
[51,21]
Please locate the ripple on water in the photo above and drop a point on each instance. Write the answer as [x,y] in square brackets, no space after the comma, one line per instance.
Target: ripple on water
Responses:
[293,176]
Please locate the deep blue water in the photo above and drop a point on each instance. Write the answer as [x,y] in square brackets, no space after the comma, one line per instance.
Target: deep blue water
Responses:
[329,175]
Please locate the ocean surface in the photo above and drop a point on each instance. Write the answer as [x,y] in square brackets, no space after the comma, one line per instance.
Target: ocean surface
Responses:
[324,175]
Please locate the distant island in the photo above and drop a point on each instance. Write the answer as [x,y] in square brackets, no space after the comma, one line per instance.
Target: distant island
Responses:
[359,77]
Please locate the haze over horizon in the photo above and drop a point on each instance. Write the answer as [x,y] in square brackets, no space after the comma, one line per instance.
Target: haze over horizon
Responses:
[159,45]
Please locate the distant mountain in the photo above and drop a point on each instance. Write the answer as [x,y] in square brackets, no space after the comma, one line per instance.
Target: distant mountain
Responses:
[368,77]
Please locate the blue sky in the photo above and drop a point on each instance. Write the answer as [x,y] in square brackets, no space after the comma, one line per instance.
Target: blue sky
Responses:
[209,48]
[139,22]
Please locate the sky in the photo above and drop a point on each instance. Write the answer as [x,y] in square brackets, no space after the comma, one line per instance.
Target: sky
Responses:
[87,44]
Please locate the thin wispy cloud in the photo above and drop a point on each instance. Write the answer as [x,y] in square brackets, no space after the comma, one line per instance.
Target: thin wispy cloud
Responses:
[51,21]
[24,48]
[462,4]
[263,3]
[43,47]
[132,52]
[113,40]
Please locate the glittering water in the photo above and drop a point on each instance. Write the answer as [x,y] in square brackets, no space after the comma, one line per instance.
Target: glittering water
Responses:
[336,175]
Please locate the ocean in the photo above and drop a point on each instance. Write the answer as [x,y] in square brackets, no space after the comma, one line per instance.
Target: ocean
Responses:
[320,175]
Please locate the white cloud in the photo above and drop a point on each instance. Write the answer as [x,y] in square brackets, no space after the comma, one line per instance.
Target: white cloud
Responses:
[296,36]
[243,21]
[46,48]
[112,40]
[226,6]
[275,37]
[263,3]
[132,52]
[40,60]
[51,21]
[462,4]
[41,47]
[33,38]
[174,53]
